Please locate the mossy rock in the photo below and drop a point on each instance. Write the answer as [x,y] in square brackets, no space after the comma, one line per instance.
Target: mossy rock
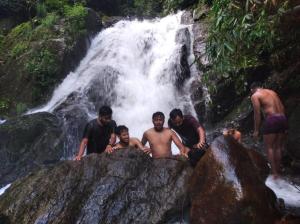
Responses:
[38,54]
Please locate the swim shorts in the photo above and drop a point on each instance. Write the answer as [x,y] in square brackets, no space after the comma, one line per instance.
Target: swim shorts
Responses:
[274,124]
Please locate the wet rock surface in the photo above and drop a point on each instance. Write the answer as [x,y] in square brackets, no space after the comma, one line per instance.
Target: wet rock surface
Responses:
[127,186]
[28,143]
[227,187]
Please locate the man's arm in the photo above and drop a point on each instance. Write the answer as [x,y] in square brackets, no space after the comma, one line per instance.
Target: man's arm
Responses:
[144,139]
[83,143]
[140,146]
[202,140]
[111,143]
[176,140]
[257,116]
[200,130]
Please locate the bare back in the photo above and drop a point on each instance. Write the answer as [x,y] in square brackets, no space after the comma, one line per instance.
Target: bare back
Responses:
[160,142]
[269,102]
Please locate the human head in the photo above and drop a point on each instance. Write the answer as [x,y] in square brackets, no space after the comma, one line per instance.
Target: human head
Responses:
[158,120]
[176,117]
[235,134]
[123,133]
[105,113]
[254,86]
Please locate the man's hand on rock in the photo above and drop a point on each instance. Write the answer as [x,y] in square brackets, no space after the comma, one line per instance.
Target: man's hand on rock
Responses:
[200,144]
[109,149]
[78,158]
[147,150]
[185,152]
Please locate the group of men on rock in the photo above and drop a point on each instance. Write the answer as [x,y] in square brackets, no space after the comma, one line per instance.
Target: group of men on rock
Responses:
[100,134]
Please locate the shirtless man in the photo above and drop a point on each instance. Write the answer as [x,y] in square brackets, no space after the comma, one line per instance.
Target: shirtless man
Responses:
[125,141]
[275,125]
[160,138]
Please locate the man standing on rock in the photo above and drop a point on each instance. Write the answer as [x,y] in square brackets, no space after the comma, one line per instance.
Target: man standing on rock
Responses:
[191,132]
[98,134]
[160,138]
[275,126]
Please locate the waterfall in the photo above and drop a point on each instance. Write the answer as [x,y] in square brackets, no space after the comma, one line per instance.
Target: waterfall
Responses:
[137,67]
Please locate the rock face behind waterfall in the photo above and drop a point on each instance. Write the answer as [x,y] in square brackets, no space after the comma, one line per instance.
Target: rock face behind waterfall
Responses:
[127,186]
[227,187]
[27,143]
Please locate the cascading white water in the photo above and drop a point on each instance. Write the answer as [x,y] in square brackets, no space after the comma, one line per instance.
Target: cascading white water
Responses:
[288,191]
[132,66]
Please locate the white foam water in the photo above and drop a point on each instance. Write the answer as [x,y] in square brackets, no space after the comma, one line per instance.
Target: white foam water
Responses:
[3,189]
[289,192]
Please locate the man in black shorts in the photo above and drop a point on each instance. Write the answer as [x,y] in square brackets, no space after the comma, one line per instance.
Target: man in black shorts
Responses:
[191,132]
[98,134]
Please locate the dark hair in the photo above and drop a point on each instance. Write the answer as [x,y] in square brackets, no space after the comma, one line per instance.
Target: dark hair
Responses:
[105,110]
[120,128]
[158,114]
[255,85]
[176,112]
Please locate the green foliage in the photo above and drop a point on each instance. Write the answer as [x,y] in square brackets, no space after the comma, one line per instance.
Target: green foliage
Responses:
[75,18]
[22,31]
[4,104]
[55,5]
[41,10]
[172,5]
[43,68]
[18,49]
[240,36]
[148,8]
[50,20]
[20,108]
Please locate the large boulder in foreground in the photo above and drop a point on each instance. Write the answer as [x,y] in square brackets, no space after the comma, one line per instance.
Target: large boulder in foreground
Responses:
[126,186]
[227,187]
[27,143]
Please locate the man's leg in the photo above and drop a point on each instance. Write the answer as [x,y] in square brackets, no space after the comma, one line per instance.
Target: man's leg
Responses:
[269,142]
[279,148]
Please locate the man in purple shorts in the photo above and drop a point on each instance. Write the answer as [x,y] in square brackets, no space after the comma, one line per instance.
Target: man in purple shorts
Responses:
[275,125]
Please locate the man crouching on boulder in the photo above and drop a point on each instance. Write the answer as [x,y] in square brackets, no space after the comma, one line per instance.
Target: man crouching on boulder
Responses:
[125,141]
[191,132]
[160,138]
[98,134]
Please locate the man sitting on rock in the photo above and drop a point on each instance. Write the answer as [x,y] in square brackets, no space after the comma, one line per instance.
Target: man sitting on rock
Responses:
[191,132]
[98,134]
[125,141]
[275,125]
[160,138]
